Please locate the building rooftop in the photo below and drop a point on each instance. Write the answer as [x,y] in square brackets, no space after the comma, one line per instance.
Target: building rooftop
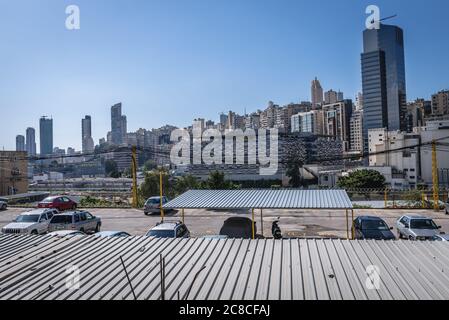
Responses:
[37,267]
[261,199]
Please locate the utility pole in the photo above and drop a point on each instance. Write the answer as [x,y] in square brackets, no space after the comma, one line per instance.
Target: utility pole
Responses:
[436,191]
[134,173]
[160,192]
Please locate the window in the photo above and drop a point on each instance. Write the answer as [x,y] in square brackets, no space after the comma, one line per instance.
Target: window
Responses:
[83,216]
[65,219]
[28,218]
[89,216]
[423,224]
[50,215]
[404,221]
[43,218]
[76,217]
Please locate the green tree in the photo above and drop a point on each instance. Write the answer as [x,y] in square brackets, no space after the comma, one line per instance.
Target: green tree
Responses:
[150,165]
[186,183]
[217,181]
[111,170]
[362,179]
[294,174]
[150,186]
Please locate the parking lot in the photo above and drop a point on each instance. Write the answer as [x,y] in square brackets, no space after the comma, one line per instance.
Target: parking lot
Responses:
[293,223]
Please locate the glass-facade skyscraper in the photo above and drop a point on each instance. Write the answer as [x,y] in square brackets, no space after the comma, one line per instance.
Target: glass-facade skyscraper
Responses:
[383,79]
[118,125]
[46,135]
[31,141]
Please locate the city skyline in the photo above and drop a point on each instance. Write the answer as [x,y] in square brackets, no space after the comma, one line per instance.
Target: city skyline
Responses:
[67,95]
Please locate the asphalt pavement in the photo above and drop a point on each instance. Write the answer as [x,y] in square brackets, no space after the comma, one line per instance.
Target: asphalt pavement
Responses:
[293,223]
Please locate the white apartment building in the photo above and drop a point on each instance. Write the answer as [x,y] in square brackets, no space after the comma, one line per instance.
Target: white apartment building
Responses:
[404,164]
[434,130]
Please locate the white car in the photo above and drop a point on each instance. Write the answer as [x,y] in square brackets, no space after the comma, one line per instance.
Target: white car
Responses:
[3,205]
[31,222]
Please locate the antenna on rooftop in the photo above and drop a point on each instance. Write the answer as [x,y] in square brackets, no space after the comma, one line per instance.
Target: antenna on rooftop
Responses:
[386,18]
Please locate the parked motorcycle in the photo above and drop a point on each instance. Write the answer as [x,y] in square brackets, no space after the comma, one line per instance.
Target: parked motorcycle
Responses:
[275,230]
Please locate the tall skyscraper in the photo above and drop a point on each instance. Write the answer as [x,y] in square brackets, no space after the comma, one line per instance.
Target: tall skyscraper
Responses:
[31,141]
[340,96]
[86,135]
[20,143]
[46,135]
[117,122]
[124,129]
[383,79]
[317,94]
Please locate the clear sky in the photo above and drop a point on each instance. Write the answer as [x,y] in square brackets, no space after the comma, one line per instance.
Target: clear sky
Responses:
[171,61]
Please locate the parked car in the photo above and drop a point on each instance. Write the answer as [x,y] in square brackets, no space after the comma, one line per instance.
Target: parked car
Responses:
[112,234]
[31,222]
[416,228]
[153,205]
[238,227]
[76,220]
[66,233]
[3,205]
[446,207]
[441,237]
[169,230]
[62,203]
[372,228]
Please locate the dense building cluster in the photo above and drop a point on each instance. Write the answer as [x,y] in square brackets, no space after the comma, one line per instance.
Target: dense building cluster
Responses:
[314,132]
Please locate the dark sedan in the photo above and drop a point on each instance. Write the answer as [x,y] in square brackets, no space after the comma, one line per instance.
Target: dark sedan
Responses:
[372,228]
[238,227]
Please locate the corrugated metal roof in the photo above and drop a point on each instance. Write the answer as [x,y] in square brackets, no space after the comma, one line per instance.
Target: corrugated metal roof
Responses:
[261,199]
[34,267]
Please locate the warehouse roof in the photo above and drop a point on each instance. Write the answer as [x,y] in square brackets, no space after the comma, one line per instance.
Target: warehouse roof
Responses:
[39,267]
[261,199]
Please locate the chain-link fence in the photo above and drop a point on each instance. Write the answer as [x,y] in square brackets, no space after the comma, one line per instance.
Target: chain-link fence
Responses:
[397,199]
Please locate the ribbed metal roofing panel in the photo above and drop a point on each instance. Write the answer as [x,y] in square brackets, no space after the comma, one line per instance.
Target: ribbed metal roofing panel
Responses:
[261,199]
[35,267]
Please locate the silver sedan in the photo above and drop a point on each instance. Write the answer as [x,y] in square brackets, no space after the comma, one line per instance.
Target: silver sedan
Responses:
[416,228]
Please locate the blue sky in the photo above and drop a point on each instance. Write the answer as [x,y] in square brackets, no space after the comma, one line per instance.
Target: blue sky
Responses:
[171,61]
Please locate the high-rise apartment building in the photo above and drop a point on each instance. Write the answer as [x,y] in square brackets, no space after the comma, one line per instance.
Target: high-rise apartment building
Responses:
[440,103]
[31,141]
[20,143]
[416,113]
[13,176]
[336,121]
[332,96]
[316,94]
[356,131]
[383,79]
[86,135]
[46,135]
[359,101]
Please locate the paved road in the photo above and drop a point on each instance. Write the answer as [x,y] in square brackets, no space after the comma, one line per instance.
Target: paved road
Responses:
[294,223]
